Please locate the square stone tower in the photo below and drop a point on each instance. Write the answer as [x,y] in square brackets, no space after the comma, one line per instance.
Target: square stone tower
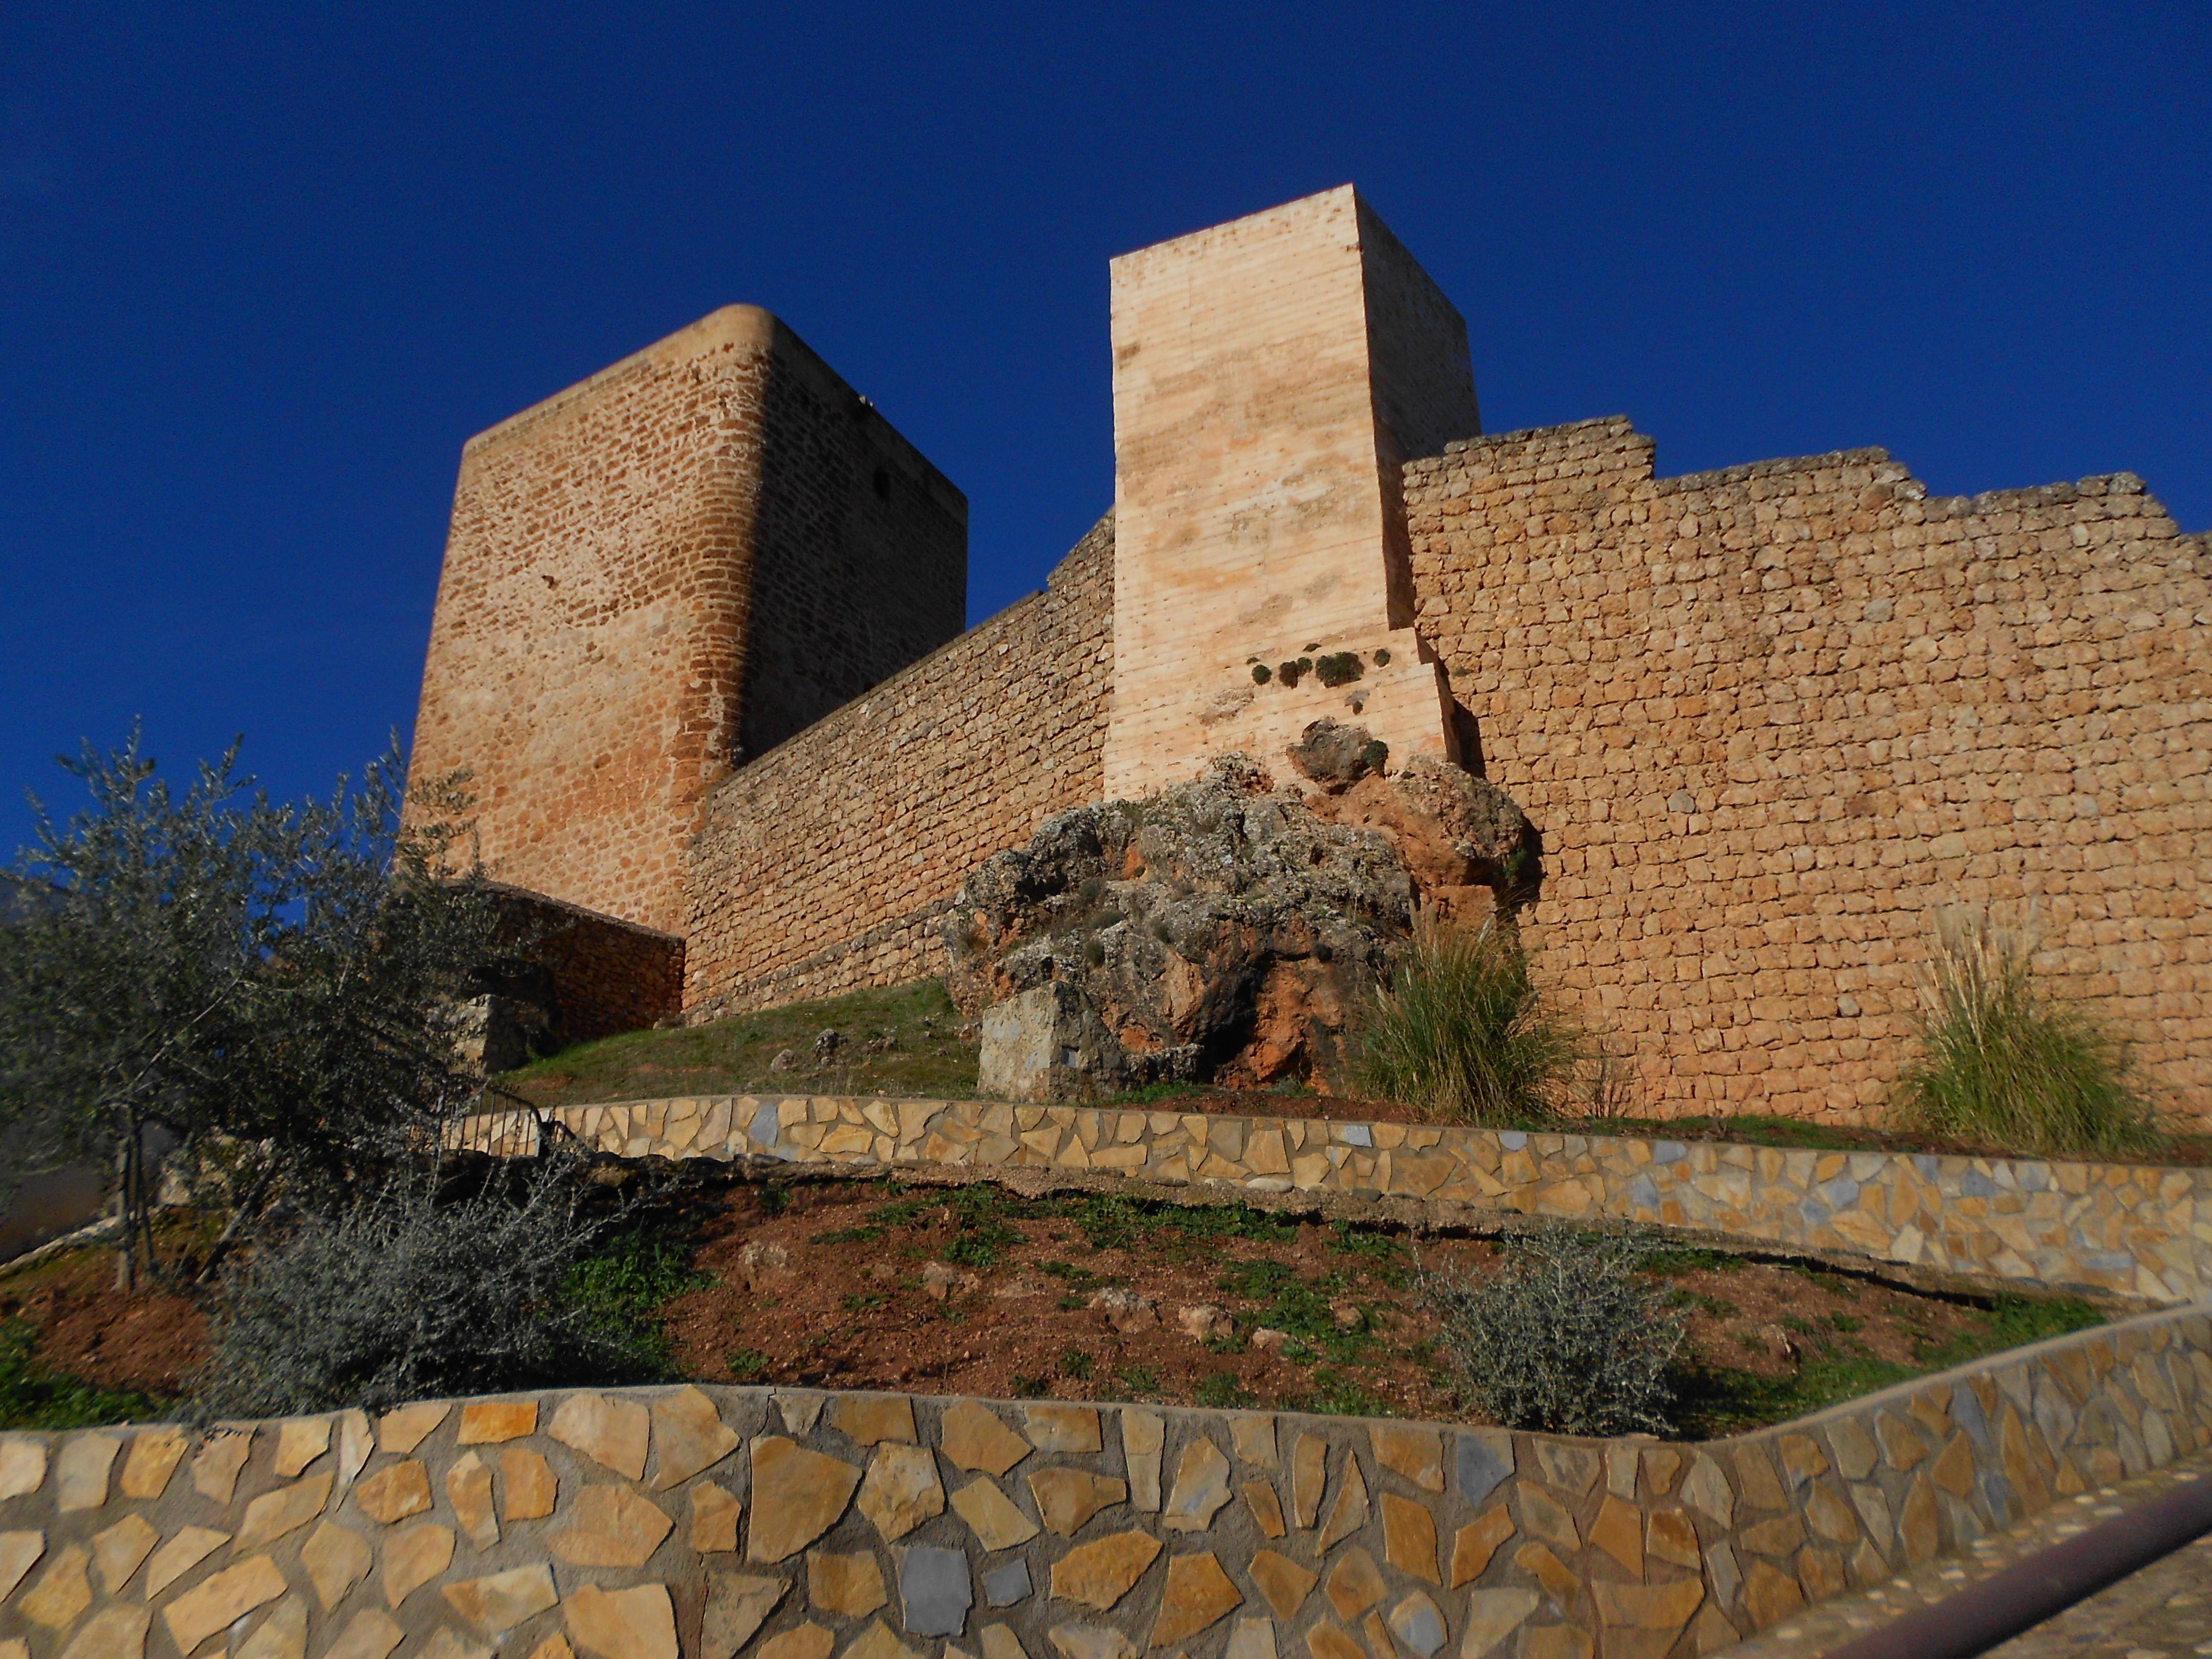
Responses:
[659,574]
[1271,378]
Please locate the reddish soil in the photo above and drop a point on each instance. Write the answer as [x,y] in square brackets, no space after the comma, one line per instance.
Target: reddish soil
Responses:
[148,1342]
[848,1306]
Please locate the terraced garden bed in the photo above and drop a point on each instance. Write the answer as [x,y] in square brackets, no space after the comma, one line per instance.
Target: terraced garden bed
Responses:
[909,1042]
[973,1290]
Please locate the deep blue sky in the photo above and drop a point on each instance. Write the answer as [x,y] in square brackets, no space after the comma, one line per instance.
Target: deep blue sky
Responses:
[263,269]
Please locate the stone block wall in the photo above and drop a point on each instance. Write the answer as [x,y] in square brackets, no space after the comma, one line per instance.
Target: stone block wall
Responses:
[605,975]
[2138,1231]
[1271,376]
[677,562]
[795,1524]
[1769,720]
[824,866]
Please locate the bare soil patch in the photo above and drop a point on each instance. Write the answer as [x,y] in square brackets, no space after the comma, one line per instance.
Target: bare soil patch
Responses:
[147,1343]
[974,1289]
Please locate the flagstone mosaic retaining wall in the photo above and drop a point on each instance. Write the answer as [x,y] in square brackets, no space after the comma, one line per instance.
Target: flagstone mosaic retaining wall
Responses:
[793,1524]
[2131,1230]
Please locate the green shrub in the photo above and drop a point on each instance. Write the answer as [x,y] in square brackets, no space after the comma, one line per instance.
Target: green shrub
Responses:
[1463,1030]
[2001,1065]
[1568,1336]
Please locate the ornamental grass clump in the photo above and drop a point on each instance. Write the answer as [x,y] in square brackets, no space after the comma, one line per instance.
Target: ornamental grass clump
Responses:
[2002,1065]
[1568,1337]
[1463,1030]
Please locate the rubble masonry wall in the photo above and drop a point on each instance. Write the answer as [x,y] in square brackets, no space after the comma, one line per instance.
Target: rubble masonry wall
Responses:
[647,1524]
[824,866]
[2138,1231]
[1769,720]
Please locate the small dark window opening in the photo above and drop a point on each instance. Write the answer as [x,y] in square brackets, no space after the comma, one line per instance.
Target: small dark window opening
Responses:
[882,485]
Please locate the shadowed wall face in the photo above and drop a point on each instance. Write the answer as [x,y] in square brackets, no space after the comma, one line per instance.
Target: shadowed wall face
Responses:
[669,568]
[1270,377]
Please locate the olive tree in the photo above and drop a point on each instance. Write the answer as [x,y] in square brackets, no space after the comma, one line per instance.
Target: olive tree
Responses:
[277,986]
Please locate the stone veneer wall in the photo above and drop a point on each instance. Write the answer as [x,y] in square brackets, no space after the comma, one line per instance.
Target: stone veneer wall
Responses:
[794,1524]
[824,866]
[2134,1230]
[1770,719]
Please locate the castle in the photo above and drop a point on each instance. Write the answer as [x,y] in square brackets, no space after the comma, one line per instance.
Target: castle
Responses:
[698,643]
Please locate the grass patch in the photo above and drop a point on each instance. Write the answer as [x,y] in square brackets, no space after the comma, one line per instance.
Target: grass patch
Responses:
[1386,1256]
[1335,1395]
[2001,1063]
[1221,1391]
[1671,1263]
[31,1398]
[626,1282]
[1298,1307]
[1109,1221]
[1153,1093]
[1137,1381]
[1715,1399]
[927,1056]
[982,1214]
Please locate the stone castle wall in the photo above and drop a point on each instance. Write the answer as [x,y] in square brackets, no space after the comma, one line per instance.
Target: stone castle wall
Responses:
[824,866]
[606,976]
[679,561]
[651,1523]
[1769,720]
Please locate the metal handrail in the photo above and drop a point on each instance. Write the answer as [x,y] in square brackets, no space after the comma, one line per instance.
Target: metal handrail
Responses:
[1996,1609]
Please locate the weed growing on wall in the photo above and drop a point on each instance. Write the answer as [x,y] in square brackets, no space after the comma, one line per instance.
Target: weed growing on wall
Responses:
[2000,1065]
[1463,1030]
[1569,1336]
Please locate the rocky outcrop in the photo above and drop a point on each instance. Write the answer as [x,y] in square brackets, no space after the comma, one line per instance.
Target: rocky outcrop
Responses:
[1469,847]
[1216,930]
[1222,930]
